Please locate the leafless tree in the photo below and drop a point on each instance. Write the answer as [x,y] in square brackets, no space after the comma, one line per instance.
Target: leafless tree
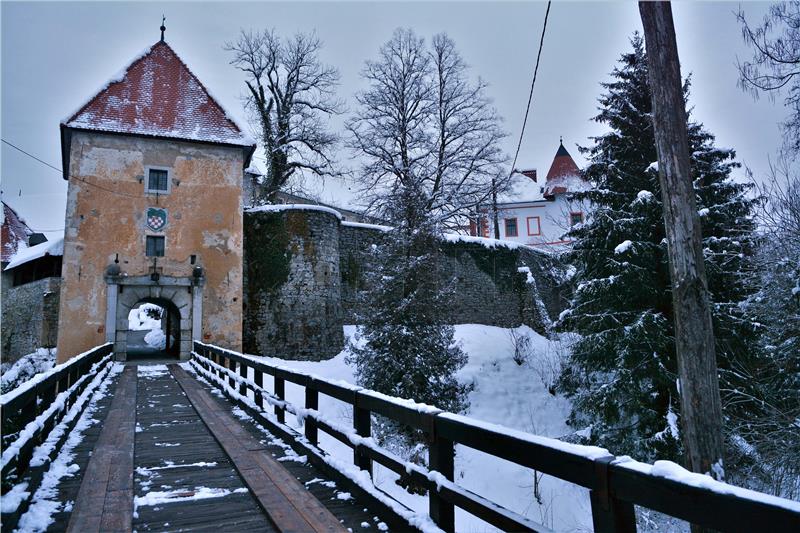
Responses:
[775,64]
[291,95]
[423,124]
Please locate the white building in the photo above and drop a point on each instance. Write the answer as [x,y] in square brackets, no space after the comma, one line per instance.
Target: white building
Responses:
[539,214]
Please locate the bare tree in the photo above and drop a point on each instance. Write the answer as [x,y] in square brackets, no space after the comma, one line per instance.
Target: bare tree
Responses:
[701,407]
[422,124]
[775,64]
[291,95]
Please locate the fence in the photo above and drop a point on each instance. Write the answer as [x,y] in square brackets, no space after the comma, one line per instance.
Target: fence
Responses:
[614,487]
[32,410]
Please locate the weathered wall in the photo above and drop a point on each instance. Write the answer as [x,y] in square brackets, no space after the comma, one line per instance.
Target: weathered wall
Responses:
[204,219]
[292,284]
[30,317]
[306,273]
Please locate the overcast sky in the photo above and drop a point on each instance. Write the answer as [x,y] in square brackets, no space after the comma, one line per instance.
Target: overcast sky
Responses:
[56,55]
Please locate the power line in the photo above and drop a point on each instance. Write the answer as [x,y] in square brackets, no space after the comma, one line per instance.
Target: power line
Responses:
[76,177]
[533,83]
[31,155]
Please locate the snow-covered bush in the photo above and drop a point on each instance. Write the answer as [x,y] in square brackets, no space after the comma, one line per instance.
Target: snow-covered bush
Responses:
[14,374]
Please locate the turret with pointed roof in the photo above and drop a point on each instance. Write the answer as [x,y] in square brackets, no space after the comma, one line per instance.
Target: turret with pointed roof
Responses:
[564,175]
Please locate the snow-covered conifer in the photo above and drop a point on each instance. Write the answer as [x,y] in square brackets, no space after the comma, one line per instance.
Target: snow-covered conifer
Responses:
[622,371]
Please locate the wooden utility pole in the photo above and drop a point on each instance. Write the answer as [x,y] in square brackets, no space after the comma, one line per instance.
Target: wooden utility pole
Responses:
[701,409]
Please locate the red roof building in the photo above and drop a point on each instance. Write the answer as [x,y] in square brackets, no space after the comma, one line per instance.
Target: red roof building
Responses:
[564,175]
[14,232]
[156,96]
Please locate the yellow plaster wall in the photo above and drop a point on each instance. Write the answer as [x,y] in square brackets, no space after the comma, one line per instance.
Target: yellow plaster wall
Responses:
[204,218]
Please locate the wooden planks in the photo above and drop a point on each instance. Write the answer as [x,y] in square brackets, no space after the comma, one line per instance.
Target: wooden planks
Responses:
[290,506]
[105,497]
[176,456]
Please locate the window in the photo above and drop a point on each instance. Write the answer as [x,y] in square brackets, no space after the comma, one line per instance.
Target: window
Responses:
[534,226]
[157,181]
[575,218]
[155,246]
[511,227]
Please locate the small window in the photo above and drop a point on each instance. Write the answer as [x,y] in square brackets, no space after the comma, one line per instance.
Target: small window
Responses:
[155,246]
[575,218]
[534,226]
[511,227]
[157,181]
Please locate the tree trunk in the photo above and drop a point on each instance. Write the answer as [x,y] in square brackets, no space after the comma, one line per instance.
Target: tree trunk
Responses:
[701,410]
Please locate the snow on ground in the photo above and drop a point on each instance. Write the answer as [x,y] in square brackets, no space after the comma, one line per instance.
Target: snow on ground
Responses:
[138,320]
[156,339]
[14,374]
[505,393]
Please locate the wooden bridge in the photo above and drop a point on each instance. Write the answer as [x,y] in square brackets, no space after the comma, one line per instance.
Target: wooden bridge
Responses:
[204,446]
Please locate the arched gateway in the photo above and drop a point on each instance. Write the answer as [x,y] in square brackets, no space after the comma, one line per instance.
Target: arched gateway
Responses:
[185,294]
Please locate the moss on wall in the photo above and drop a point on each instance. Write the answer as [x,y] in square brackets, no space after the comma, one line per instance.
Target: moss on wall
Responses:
[267,250]
[498,263]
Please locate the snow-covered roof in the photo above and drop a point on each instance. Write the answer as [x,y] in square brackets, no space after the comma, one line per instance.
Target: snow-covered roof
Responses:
[15,233]
[54,247]
[295,207]
[564,175]
[158,95]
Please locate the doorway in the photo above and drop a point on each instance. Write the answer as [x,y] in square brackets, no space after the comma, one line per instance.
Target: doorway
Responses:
[154,330]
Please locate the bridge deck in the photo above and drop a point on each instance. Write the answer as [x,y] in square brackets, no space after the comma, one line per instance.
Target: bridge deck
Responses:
[169,455]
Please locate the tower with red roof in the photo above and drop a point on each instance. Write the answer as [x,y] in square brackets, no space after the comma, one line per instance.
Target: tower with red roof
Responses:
[155,166]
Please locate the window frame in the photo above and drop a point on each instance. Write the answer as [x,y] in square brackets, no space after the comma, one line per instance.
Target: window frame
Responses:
[147,189]
[163,248]
[572,214]
[516,227]
[538,225]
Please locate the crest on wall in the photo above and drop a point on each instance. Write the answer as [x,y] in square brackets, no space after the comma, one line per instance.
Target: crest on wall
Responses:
[156,218]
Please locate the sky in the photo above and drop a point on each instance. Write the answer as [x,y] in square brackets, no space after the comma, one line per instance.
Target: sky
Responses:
[57,55]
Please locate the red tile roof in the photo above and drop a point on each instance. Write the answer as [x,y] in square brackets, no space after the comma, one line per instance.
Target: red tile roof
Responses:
[158,95]
[14,231]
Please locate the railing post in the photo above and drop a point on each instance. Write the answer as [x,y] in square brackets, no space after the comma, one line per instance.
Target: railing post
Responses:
[441,458]
[230,364]
[258,379]
[362,423]
[609,515]
[243,375]
[280,392]
[312,402]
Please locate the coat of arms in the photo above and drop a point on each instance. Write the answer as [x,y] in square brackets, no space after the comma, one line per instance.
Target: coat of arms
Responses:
[156,218]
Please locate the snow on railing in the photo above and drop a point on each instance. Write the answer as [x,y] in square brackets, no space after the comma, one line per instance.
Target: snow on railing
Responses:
[615,484]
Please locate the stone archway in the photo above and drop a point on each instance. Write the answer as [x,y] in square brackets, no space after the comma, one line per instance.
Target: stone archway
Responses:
[125,293]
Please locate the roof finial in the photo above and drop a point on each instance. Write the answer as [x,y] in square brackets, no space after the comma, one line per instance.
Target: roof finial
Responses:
[560,137]
[163,28]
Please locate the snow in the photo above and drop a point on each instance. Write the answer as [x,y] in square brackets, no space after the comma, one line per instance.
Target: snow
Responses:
[156,339]
[366,226]
[181,495]
[483,241]
[151,371]
[44,503]
[652,166]
[644,196]
[26,367]
[139,320]
[38,378]
[294,207]
[506,394]
[623,247]
[25,255]
[675,472]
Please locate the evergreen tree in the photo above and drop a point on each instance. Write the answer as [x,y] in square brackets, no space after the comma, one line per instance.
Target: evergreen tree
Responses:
[622,374]
[409,349]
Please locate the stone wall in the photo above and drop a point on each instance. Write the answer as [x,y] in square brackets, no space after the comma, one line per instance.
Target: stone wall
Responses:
[292,284]
[305,275]
[30,317]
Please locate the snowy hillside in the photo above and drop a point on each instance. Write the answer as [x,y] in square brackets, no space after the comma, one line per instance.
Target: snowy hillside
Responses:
[505,393]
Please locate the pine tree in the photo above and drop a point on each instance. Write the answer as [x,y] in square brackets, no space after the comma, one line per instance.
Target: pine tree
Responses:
[409,349]
[621,374]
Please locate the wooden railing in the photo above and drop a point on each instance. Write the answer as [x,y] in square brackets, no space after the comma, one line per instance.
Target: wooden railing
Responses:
[615,486]
[31,411]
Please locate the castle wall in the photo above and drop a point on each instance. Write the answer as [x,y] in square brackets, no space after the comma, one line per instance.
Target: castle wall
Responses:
[30,317]
[105,216]
[307,275]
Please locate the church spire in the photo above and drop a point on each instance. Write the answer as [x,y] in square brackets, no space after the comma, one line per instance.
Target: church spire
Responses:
[163,28]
